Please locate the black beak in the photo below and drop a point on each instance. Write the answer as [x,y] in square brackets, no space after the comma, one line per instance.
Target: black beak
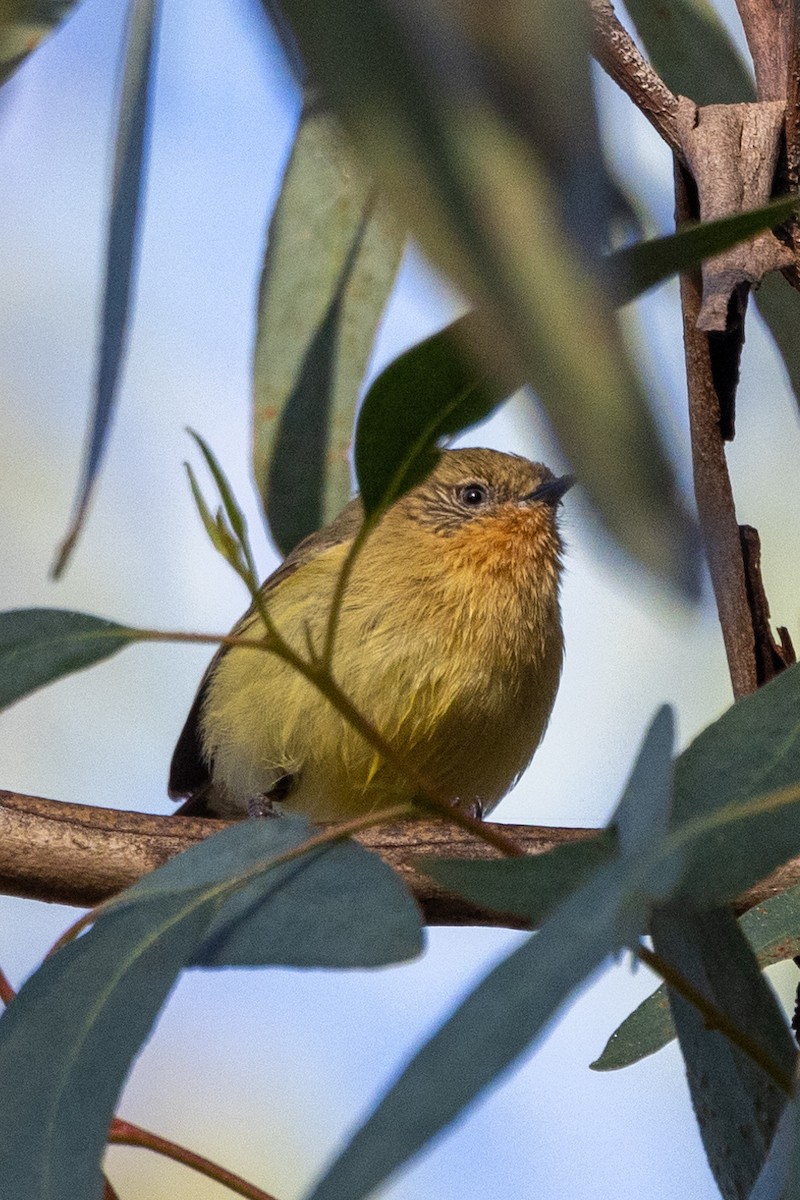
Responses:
[552,491]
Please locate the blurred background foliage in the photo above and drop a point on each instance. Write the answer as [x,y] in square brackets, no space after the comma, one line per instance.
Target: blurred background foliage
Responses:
[290,1060]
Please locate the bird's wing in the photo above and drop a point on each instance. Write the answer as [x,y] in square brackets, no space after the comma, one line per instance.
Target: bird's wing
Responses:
[190,772]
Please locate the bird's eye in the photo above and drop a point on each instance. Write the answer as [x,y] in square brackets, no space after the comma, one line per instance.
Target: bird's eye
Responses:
[473,494]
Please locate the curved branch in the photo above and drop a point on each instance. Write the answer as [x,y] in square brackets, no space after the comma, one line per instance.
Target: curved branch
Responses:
[619,56]
[80,854]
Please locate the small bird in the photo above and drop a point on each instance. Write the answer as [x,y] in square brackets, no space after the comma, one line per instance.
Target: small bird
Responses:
[449,640]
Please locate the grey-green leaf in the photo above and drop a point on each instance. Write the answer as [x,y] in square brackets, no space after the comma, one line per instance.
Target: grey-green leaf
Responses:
[339,906]
[488,1031]
[332,255]
[642,816]
[749,757]
[130,169]
[639,267]
[432,391]
[239,898]
[69,1038]
[779,1178]
[478,195]
[528,887]
[39,645]
[773,932]
[738,1105]
[691,49]
[24,24]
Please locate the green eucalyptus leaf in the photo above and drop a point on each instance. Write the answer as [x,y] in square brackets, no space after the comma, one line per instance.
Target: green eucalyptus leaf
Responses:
[488,1031]
[642,816]
[772,930]
[738,1105]
[737,782]
[239,898]
[338,905]
[69,1038]
[646,1030]
[130,169]
[233,512]
[24,24]
[529,887]
[331,260]
[639,267]
[40,645]
[692,50]
[779,1178]
[432,391]
[480,197]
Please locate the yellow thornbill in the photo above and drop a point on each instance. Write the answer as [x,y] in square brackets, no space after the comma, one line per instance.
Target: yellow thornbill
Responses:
[449,640]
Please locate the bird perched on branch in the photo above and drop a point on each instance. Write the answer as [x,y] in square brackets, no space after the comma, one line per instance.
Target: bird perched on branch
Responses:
[448,641]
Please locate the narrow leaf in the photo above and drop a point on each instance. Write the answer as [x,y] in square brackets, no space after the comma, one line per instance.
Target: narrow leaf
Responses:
[779,1178]
[649,1027]
[736,1103]
[67,1041]
[432,391]
[480,198]
[488,1031]
[692,50]
[772,930]
[130,168]
[637,268]
[332,256]
[642,815]
[750,757]
[338,905]
[24,24]
[210,525]
[233,512]
[39,645]
[527,887]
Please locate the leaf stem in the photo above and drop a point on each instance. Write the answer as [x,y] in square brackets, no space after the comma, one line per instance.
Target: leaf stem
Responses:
[337,599]
[123,1133]
[714,1017]
[7,992]
[72,931]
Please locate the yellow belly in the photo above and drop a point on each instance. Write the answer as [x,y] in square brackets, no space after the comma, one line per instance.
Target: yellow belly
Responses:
[463,694]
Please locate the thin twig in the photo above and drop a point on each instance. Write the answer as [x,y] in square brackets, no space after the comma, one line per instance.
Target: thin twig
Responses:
[123,1133]
[618,55]
[109,1191]
[72,931]
[339,590]
[714,1017]
[7,992]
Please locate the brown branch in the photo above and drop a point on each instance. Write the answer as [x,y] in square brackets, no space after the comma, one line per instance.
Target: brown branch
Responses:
[618,55]
[712,375]
[772,654]
[732,150]
[80,854]
[767,27]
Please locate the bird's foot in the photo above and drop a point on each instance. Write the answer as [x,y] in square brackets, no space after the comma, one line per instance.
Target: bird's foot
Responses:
[262,806]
